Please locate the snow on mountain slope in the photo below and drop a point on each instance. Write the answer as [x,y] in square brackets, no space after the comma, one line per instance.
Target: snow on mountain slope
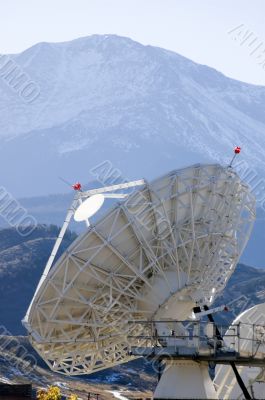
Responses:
[144,108]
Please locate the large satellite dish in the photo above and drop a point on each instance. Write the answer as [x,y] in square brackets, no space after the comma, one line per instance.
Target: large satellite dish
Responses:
[169,246]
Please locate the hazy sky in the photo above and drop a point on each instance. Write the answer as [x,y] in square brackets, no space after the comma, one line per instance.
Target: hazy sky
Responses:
[197,29]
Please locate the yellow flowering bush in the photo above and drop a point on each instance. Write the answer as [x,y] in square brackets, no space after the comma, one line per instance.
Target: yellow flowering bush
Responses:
[53,393]
[73,397]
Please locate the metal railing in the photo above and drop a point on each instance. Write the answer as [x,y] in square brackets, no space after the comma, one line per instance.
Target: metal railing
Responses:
[200,337]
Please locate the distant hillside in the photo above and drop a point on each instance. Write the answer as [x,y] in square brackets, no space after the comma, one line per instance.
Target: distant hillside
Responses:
[22,260]
[245,289]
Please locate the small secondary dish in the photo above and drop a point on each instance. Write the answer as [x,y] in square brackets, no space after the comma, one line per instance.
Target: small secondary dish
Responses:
[89,207]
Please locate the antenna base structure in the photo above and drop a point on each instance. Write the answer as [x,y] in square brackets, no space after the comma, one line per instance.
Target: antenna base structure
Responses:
[188,347]
[184,379]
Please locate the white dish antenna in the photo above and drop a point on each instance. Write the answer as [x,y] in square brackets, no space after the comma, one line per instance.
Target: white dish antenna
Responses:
[89,207]
[247,336]
[171,245]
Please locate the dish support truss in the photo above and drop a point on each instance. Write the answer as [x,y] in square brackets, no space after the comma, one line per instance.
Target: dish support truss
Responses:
[170,245]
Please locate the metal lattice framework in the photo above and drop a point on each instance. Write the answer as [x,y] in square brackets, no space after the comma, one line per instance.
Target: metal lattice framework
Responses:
[171,244]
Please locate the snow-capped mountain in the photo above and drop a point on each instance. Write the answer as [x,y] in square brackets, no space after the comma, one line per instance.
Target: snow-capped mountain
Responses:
[106,97]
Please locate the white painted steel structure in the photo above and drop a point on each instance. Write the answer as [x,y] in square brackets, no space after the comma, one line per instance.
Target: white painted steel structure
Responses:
[170,245]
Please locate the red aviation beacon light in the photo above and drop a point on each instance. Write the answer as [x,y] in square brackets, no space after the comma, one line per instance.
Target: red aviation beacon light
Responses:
[77,186]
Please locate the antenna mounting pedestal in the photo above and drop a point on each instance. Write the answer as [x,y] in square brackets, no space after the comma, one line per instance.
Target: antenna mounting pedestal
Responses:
[185,380]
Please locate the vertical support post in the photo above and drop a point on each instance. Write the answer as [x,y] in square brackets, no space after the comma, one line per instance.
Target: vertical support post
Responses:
[239,339]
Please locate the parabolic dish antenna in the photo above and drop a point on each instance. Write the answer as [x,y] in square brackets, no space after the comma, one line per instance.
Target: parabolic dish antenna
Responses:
[89,207]
[169,246]
[249,340]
